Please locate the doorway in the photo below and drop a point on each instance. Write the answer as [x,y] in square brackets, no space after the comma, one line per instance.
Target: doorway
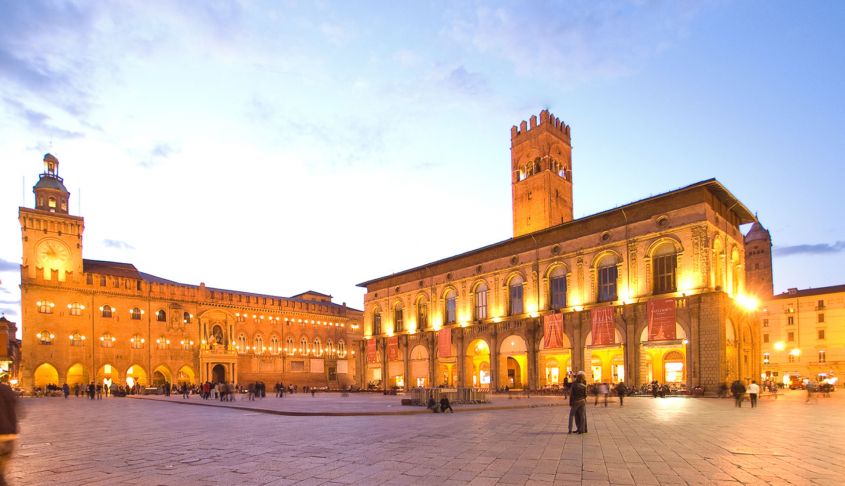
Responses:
[218,374]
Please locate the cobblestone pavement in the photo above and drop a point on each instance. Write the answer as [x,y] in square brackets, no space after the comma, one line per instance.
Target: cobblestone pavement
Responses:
[649,441]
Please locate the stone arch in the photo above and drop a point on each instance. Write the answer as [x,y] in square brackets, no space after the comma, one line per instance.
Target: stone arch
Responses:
[513,361]
[419,366]
[45,374]
[76,373]
[735,273]
[186,375]
[161,373]
[664,240]
[606,256]
[477,363]
[108,374]
[136,374]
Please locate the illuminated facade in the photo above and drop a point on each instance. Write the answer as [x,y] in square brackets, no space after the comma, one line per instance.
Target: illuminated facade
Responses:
[85,320]
[803,335]
[653,290]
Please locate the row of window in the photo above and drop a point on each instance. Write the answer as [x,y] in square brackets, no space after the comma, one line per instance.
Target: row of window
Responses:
[790,336]
[793,357]
[305,348]
[664,270]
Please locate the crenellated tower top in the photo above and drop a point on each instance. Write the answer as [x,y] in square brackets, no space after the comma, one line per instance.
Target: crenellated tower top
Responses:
[541,173]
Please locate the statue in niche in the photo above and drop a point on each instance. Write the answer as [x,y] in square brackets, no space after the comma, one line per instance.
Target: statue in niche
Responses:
[216,339]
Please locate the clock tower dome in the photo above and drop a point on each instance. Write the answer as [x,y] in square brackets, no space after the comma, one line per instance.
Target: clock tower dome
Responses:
[51,237]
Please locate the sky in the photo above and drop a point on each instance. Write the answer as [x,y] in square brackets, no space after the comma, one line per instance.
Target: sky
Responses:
[277,147]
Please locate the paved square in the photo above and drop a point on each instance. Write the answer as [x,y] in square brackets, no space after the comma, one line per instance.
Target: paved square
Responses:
[649,441]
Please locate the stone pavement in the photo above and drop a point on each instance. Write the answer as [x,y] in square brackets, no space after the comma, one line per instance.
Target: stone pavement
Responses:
[649,441]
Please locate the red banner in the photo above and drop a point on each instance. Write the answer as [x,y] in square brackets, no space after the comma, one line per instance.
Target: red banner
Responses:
[603,331]
[661,319]
[444,343]
[553,331]
[371,351]
[393,348]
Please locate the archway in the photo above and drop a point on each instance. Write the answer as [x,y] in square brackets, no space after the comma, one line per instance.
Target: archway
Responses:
[478,364]
[218,374]
[161,375]
[513,361]
[555,362]
[136,375]
[653,356]
[447,368]
[673,368]
[107,374]
[419,366]
[605,360]
[46,374]
[76,374]
[185,375]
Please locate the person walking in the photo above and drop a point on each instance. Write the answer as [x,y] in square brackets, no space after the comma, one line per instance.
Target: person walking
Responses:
[753,392]
[604,391]
[578,404]
[8,427]
[621,390]
[738,390]
[65,390]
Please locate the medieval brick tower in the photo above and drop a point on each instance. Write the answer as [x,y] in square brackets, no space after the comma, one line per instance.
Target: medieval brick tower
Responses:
[758,262]
[541,174]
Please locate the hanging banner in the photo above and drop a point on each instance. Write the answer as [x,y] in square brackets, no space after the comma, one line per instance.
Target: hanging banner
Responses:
[661,319]
[393,348]
[371,351]
[603,333]
[444,343]
[553,331]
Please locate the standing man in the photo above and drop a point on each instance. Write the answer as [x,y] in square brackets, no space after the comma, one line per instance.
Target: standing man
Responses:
[578,404]
[8,427]
[738,390]
[621,390]
[753,391]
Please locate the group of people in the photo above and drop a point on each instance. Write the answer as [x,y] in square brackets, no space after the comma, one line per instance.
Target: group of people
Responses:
[738,389]
[440,407]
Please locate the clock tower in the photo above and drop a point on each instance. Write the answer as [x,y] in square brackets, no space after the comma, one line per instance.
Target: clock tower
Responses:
[52,238]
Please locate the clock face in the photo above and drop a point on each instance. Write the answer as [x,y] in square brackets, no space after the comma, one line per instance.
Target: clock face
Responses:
[52,254]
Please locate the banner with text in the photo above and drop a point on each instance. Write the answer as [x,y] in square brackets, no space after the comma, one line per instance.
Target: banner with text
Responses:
[661,319]
[553,331]
[393,348]
[444,343]
[603,331]
[371,350]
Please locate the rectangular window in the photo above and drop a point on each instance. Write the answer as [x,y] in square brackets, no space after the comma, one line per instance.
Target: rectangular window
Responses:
[791,358]
[765,338]
[116,283]
[516,307]
[790,321]
[89,279]
[451,310]
[821,317]
[790,336]
[398,323]
[481,305]
[664,273]
[45,307]
[376,324]
[102,280]
[765,358]
[765,323]
[607,283]
[821,304]
[822,357]
[821,333]
[422,315]
[558,288]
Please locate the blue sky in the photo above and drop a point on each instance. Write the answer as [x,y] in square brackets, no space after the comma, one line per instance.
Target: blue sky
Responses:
[277,147]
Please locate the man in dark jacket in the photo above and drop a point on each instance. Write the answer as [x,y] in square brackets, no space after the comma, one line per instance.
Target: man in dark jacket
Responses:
[738,390]
[578,404]
[621,390]
[8,427]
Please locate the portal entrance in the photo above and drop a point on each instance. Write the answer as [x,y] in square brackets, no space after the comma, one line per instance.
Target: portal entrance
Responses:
[218,374]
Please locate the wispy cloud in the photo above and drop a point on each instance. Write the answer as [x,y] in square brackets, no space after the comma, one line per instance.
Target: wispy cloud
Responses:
[465,81]
[8,311]
[39,122]
[812,249]
[6,266]
[159,152]
[120,245]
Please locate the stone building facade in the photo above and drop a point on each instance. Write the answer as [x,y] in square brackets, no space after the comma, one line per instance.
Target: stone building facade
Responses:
[803,335]
[88,320]
[652,290]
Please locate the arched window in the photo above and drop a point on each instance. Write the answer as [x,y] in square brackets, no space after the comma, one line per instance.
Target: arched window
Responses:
[161,316]
[289,346]
[318,347]
[376,322]
[422,314]
[606,274]
[450,310]
[275,346]
[107,341]
[481,302]
[76,308]
[135,314]
[77,339]
[329,347]
[341,349]
[557,288]
[136,342]
[45,337]
[303,345]
[241,346]
[515,304]
[106,311]
[663,265]
[259,344]
[51,203]
[398,318]
[186,317]
[162,342]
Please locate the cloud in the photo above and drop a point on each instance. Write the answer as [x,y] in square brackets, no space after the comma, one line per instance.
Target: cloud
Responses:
[157,154]
[13,302]
[572,41]
[815,249]
[120,245]
[8,311]
[6,266]
[39,122]
[466,82]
